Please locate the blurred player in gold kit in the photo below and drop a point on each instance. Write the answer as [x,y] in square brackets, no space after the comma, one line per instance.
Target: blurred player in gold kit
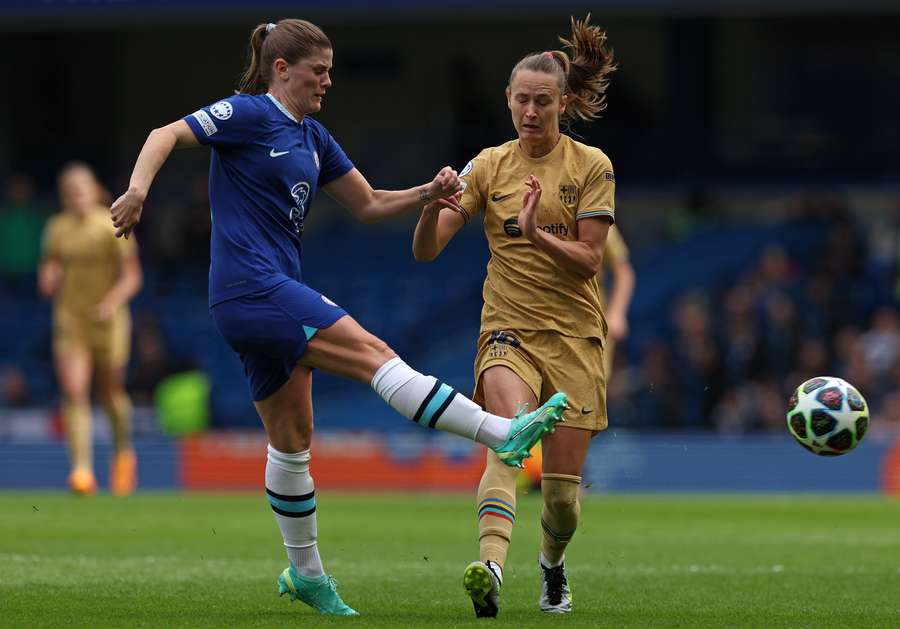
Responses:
[91,276]
[616,262]
[548,204]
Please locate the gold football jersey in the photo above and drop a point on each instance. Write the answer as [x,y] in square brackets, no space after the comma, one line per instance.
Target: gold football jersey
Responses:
[525,289]
[90,256]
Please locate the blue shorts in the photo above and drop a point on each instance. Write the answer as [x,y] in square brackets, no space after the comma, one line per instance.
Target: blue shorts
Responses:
[270,331]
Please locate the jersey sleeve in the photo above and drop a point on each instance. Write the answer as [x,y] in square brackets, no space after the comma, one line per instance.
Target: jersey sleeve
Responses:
[231,121]
[333,161]
[598,198]
[473,177]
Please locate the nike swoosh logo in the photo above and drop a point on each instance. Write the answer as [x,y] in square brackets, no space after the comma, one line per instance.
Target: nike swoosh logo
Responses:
[499,197]
[535,420]
[274,153]
[586,411]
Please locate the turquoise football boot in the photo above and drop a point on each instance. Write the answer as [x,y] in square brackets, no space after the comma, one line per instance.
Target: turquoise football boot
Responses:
[526,429]
[319,593]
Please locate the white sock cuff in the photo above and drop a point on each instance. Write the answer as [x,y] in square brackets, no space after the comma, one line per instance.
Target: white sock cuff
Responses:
[296,462]
[547,563]
[310,544]
[391,376]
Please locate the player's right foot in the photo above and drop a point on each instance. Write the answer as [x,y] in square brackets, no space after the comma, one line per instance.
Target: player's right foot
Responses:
[483,586]
[319,593]
[556,597]
[526,429]
[123,473]
[82,482]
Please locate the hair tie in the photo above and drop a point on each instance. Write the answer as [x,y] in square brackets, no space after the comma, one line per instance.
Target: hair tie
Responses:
[269,27]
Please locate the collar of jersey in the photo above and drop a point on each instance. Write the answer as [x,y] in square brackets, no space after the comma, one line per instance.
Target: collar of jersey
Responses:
[562,138]
[282,108]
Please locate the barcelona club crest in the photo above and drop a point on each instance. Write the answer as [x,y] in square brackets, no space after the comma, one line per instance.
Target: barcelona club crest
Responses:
[568,194]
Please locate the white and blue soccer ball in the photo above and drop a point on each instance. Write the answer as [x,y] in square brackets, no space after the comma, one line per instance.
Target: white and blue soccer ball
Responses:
[827,416]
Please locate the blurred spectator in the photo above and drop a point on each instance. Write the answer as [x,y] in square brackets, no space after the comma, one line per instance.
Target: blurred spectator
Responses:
[22,220]
[13,387]
[777,271]
[885,422]
[656,399]
[845,343]
[781,334]
[177,232]
[772,405]
[735,412]
[752,406]
[197,224]
[698,373]
[817,305]
[812,361]
[151,363]
[881,344]
[857,372]
[741,351]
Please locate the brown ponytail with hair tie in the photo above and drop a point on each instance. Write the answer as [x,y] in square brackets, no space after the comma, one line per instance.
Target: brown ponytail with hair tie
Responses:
[290,40]
[582,74]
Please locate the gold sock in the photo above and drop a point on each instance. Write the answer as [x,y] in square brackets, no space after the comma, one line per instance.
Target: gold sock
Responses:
[559,518]
[496,509]
[119,411]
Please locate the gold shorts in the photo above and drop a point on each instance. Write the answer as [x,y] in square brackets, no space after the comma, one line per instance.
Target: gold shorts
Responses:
[548,362]
[108,342]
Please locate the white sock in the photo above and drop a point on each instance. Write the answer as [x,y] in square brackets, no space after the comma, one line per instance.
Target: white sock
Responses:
[306,560]
[292,496]
[546,563]
[431,403]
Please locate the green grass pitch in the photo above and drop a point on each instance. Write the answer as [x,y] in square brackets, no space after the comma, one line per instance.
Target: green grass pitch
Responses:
[211,560]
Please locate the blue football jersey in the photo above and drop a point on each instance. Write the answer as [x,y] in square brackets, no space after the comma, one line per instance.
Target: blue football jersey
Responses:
[264,173]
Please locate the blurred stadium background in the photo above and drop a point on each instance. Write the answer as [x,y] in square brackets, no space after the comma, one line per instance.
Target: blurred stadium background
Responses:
[757,152]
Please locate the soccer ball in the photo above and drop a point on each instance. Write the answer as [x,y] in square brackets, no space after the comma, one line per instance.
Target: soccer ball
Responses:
[827,416]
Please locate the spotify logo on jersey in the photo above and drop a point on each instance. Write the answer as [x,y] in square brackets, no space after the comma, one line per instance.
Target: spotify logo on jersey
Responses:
[511,227]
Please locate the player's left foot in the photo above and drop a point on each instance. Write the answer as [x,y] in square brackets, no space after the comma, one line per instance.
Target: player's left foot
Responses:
[319,593]
[483,586]
[526,429]
[123,473]
[82,482]
[556,597]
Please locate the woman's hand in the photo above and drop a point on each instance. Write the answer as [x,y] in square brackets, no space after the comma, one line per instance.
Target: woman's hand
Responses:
[435,207]
[50,276]
[445,184]
[618,325]
[105,309]
[528,215]
[126,212]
